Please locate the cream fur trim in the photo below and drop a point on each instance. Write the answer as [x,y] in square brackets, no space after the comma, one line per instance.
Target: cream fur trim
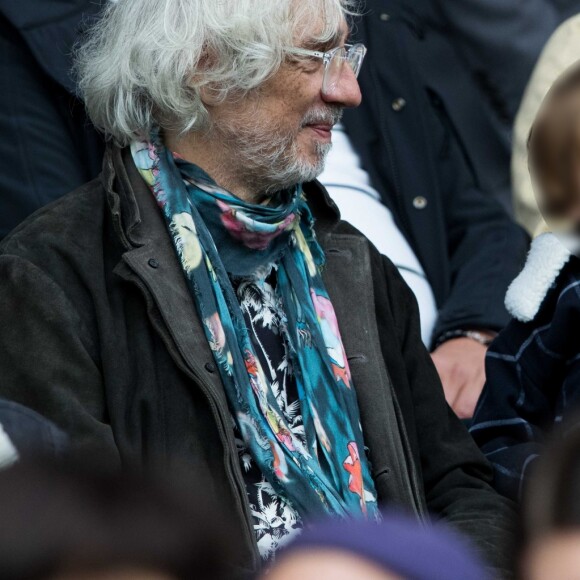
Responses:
[546,258]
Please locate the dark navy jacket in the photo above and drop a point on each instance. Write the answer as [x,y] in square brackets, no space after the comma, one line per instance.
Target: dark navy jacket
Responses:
[417,147]
[48,146]
[50,29]
[500,41]
[533,372]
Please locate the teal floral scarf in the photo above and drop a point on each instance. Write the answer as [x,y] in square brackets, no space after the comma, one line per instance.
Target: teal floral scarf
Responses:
[216,236]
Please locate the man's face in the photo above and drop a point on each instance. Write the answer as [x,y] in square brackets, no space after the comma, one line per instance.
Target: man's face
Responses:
[280,134]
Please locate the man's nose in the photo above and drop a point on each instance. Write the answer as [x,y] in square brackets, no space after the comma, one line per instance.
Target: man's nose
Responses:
[346,91]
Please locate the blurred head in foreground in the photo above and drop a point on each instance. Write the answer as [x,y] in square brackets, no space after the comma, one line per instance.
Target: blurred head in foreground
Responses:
[554,154]
[396,549]
[551,513]
[63,522]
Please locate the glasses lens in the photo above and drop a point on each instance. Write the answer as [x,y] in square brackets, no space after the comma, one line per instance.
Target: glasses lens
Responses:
[355,57]
[333,69]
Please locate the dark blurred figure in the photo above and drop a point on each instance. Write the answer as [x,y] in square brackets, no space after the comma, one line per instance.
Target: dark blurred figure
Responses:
[560,52]
[62,521]
[551,514]
[398,548]
[25,433]
[500,41]
[48,146]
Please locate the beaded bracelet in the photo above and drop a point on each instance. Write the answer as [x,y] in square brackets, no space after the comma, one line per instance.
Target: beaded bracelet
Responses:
[473,334]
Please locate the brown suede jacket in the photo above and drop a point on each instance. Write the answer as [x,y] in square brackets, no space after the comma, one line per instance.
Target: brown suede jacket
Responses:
[98,332]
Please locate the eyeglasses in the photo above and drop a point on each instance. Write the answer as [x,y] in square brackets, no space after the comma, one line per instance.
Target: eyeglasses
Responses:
[334,60]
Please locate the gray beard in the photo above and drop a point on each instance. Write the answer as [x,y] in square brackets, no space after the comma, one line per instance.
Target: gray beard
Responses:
[284,169]
[269,161]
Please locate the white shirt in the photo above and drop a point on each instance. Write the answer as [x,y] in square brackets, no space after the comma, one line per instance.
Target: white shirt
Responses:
[360,204]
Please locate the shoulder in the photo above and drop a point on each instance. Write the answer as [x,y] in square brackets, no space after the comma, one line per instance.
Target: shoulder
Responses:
[72,221]
[61,252]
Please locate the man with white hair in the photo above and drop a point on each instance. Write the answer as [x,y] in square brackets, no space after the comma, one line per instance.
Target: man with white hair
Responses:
[203,303]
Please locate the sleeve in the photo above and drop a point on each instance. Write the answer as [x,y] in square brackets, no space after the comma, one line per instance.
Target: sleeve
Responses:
[48,361]
[486,248]
[457,478]
[533,373]
[506,423]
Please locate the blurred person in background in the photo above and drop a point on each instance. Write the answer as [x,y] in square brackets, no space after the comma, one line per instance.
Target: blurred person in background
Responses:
[397,548]
[27,434]
[47,146]
[513,51]
[418,168]
[550,539]
[561,52]
[203,301]
[64,521]
[500,42]
[533,366]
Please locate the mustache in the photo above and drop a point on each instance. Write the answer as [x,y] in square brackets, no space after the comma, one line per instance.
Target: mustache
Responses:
[326,116]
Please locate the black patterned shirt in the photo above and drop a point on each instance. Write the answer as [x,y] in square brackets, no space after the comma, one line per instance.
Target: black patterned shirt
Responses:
[274,518]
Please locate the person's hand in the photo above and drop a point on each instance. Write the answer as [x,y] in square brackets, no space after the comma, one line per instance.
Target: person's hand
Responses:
[460,363]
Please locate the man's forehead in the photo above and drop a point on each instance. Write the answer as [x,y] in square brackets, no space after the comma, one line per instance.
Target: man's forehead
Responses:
[342,32]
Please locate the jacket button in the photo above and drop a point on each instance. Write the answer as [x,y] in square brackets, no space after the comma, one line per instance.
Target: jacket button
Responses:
[420,202]
[399,104]
[385,17]
[153,263]
[210,367]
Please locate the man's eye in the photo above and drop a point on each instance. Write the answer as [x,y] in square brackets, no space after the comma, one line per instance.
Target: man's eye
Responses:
[311,63]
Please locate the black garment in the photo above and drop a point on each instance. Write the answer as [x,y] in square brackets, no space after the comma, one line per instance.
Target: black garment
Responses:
[500,41]
[274,518]
[100,334]
[48,146]
[469,247]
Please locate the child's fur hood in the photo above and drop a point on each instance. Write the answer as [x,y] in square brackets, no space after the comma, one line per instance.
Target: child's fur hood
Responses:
[546,258]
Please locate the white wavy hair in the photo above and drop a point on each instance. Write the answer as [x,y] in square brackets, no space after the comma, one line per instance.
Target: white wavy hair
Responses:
[145,61]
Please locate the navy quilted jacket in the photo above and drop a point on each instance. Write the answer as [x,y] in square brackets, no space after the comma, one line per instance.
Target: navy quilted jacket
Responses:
[533,366]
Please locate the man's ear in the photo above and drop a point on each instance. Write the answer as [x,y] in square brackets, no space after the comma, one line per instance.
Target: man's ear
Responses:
[210,95]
